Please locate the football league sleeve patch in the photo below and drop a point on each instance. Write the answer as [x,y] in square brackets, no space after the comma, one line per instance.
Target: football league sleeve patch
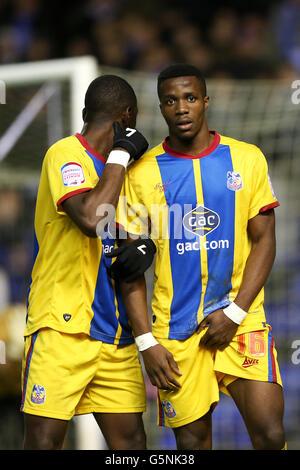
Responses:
[67,177]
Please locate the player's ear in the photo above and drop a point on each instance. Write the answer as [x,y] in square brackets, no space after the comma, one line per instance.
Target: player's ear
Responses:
[83,114]
[206,102]
[129,116]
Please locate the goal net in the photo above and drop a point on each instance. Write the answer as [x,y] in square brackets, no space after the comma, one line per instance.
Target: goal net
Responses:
[43,103]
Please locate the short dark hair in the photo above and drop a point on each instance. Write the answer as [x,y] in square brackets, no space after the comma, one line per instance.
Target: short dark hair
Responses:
[106,97]
[181,70]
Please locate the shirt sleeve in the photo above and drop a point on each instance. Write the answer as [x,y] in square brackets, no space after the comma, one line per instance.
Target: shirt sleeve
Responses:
[68,174]
[263,196]
[131,214]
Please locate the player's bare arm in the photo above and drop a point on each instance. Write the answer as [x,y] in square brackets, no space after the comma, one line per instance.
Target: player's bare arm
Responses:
[261,230]
[159,362]
[83,208]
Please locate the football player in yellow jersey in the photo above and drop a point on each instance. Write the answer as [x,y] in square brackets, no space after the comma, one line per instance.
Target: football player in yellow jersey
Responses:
[80,355]
[209,330]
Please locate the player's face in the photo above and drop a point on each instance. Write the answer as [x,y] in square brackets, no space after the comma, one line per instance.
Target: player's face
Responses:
[183,107]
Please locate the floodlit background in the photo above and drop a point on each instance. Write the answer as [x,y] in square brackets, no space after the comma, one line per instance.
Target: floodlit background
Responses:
[251,58]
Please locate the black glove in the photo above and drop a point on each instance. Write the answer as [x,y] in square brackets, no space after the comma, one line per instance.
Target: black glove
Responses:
[133,259]
[130,140]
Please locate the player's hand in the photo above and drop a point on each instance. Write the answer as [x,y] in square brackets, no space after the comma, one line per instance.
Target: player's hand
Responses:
[161,366]
[220,330]
[130,140]
[133,259]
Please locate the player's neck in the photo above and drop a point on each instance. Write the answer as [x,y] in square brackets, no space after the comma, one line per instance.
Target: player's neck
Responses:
[194,146]
[100,138]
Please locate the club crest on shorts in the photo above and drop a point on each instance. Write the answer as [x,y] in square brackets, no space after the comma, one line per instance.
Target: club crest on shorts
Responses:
[168,408]
[201,221]
[234,181]
[38,394]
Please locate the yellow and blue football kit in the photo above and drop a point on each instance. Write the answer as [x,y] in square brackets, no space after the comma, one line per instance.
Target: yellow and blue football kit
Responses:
[70,290]
[249,355]
[196,208]
[71,374]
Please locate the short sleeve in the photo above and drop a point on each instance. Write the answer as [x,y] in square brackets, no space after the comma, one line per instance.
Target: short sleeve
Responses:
[132,214]
[263,196]
[68,174]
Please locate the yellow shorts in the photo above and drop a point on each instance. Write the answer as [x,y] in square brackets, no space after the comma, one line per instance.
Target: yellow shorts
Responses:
[65,375]
[250,356]
[204,373]
[199,386]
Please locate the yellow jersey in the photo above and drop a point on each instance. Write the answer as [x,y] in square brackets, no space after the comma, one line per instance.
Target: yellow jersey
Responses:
[70,289]
[196,208]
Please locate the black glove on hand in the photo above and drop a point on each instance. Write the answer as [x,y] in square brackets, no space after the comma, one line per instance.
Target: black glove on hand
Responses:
[130,140]
[133,259]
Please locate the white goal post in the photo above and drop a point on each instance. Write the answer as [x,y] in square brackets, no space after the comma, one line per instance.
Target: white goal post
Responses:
[79,71]
[42,103]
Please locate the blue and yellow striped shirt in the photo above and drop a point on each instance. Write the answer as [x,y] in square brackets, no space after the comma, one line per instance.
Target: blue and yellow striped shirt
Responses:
[196,208]
[70,289]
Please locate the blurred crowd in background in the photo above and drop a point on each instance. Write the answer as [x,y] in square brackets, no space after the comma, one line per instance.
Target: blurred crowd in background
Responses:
[234,39]
[16,230]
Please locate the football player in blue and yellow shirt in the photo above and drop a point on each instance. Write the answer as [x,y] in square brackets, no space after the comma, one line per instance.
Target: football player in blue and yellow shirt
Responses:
[80,356]
[208,204]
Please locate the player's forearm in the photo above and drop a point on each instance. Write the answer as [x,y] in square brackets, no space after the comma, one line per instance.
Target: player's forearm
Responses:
[101,202]
[159,362]
[257,270]
[93,210]
[134,295]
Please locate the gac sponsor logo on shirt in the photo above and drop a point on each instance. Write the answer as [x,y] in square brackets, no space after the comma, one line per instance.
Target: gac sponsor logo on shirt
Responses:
[182,247]
[201,221]
[107,248]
